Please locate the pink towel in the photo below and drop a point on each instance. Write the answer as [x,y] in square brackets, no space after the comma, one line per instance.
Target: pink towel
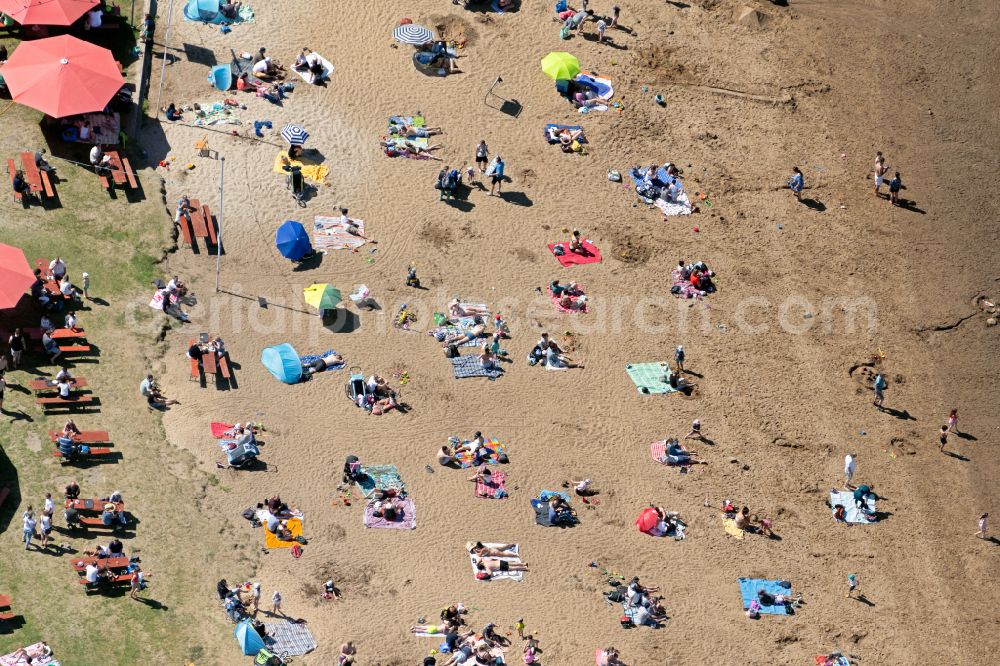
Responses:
[561,308]
[489,489]
[590,254]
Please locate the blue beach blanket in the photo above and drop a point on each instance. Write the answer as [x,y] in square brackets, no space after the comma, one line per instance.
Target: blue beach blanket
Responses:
[749,587]
[290,637]
[469,366]
[852,513]
[315,357]
[382,477]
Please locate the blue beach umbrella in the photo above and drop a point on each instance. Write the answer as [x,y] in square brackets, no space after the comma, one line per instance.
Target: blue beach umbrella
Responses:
[250,641]
[292,240]
[412,34]
[283,362]
[295,135]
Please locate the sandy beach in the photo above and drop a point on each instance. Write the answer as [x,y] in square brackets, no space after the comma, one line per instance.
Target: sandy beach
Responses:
[807,293]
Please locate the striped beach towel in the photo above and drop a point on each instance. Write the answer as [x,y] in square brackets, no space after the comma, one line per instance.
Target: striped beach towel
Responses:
[490,487]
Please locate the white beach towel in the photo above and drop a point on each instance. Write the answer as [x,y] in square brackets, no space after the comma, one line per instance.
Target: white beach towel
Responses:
[501,575]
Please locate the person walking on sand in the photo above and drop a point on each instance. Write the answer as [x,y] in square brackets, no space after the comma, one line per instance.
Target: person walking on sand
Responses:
[895,185]
[135,584]
[953,420]
[29,527]
[495,172]
[880,170]
[679,359]
[615,14]
[256,598]
[852,582]
[943,437]
[276,603]
[879,385]
[982,526]
[850,461]
[797,183]
[482,156]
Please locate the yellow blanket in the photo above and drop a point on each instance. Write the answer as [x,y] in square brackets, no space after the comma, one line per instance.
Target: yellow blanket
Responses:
[271,541]
[731,529]
[311,171]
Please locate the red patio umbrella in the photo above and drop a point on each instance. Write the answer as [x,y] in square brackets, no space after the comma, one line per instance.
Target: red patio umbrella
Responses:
[46,12]
[16,275]
[62,76]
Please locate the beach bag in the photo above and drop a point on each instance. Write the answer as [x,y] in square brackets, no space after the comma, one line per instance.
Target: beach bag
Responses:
[626,622]
[648,191]
[614,176]
[839,512]
[561,6]
[451,351]
[753,611]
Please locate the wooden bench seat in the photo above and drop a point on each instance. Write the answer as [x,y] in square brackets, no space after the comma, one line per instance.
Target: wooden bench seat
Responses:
[185,226]
[209,224]
[12,171]
[47,184]
[198,219]
[105,181]
[5,601]
[195,366]
[93,452]
[50,403]
[75,349]
[6,616]
[117,580]
[94,521]
[85,436]
[129,174]
[224,366]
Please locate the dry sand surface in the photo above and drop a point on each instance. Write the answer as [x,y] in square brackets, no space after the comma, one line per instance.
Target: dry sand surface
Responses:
[818,85]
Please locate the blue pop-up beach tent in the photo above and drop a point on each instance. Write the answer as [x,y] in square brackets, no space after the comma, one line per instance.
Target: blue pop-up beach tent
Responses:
[283,362]
[202,10]
[292,240]
[250,641]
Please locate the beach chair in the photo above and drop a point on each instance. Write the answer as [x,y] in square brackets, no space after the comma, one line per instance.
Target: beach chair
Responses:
[356,386]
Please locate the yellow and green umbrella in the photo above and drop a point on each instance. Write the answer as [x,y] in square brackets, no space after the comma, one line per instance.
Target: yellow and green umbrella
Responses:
[322,296]
[561,66]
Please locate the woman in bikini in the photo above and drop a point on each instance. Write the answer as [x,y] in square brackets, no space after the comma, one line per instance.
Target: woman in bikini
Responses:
[480,550]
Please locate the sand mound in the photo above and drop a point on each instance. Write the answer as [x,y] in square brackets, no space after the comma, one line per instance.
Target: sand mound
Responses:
[749,17]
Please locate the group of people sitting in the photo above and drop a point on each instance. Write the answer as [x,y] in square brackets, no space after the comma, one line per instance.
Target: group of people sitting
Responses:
[557,510]
[386,504]
[746,522]
[274,514]
[549,353]
[154,396]
[407,147]
[569,140]
[569,296]
[115,548]
[310,61]
[646,605]
[692,280]
[462,644]
[652,186]
[436,55]
[378,397]
[667,523]
[475,448]
[199,349]
[676,453]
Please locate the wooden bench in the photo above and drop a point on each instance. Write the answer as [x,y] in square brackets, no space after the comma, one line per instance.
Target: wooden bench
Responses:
[224,366]
[57,334]
[47,184]
[129,174]
[4,492]
[198,219]
[117,580]
[5,602]
[105,182]
[93,452]
[44,385]
[51,403]
[92,521]
[75,349]
[32,173]
[185,226]
[210,223]
[85,436]
[12,171]
[116,562]
[195,366]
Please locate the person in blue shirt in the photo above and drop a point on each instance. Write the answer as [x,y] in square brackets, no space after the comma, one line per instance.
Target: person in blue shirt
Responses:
[894,186]
[796,183]
[496,175]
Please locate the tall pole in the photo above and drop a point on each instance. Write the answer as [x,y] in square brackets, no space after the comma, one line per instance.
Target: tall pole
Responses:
[163,65]
[218,247]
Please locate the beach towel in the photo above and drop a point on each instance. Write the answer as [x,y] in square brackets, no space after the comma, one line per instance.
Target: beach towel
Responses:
[458,326]
[157,301]
[469,366]
[307,76]
[288,637]
[416,140]
[416,121]
[658,452]
[589,255]
[311,358]
[599,84]
[220,430]
[494,448]
[470,320]
[838,660]
[406,521]
[501,575]
[684,287]
[572,128]
[749,587]
[216,113]
[555,364]
[681,206]
[383,477]
[852,514]
[488,489]
[546,495]
[649,377]
[311,171]
[729,524]
[561,308]
[272,541]
[34,651]
[329,233]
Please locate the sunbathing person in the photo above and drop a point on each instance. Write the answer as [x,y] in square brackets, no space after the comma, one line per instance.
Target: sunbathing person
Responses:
[429,629]
[480,550]
[609,657]
[230,10]
[446,456]
[457,309]
[475,333]
[407,146]
[554,359]
[573,302]
[487,359]
[676,453]
[321,364]
[587,100]
[576,242]
[412,130]
[487,566]
[388,508]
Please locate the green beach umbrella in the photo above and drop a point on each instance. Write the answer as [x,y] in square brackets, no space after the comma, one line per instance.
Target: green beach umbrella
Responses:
[560,66]
[322,296]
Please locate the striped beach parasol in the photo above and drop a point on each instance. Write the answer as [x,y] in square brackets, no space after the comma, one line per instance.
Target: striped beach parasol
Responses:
[295,135]
[412,34]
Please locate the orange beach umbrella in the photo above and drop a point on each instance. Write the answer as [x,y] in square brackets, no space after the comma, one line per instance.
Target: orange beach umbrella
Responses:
[62,76]
[46,12]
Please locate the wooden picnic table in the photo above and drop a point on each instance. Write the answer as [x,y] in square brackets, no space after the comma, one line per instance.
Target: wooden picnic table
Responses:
[50,384]
[5,612]
[57,334]
[202,223]
[94,504]
[105,564]
[85,436]
[37,179]
[121,170]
